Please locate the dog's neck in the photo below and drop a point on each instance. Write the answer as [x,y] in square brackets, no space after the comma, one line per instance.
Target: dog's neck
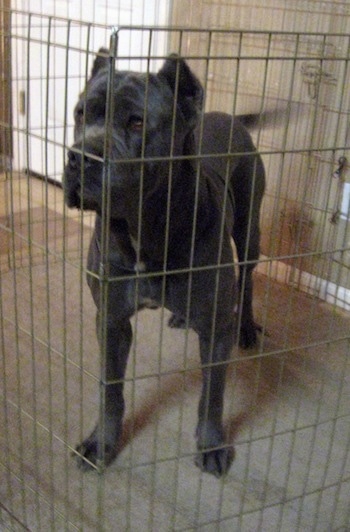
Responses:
[165,235]
[164,231]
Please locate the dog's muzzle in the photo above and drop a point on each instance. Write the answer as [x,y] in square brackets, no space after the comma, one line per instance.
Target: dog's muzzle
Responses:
[78,160]
[81,171]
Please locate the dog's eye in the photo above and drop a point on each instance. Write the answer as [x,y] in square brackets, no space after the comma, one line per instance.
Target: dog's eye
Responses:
[135,123]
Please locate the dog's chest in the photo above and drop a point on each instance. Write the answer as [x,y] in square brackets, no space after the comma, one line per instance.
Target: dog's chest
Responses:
[147,288]
[147,292]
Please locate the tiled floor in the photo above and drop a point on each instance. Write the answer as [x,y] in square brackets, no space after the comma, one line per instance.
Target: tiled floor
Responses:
[287,407]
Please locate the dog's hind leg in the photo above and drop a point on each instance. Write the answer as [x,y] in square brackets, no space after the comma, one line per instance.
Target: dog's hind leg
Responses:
[248,193]
[248,328]
[100,448]
[214,456]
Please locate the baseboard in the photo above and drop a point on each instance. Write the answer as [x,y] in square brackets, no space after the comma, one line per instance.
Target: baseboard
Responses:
[311,284]
[42,177]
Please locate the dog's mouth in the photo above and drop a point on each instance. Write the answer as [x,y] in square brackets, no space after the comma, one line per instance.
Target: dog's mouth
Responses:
[79,199]
[72,197]
[72,193]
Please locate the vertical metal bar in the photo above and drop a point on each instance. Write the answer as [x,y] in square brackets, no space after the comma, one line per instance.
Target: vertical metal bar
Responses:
[132,358]
[133,350]
[80,303]
[104,264]
[274,423]
[16,325]
[48,276]
[152,494]
[271,442]
[64,291]
[342,107]
[327,461]
[19,416]
[193,237]
[278,196]
[7,465]
[31,288]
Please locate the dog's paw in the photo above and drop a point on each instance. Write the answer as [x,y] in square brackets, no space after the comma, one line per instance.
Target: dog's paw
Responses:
[90,456]
[248,337]
[176,322]
[216,462]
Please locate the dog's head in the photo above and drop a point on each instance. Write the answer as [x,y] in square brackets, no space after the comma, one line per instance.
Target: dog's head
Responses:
[146,117]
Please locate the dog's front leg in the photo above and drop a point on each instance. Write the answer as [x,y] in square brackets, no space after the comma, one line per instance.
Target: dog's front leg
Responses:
[214,456]
[100,448]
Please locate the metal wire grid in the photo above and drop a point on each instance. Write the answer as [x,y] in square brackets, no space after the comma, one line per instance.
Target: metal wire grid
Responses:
[40,421]
[306,16]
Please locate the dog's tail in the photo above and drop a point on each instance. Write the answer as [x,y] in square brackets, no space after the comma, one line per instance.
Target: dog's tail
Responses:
[264,119]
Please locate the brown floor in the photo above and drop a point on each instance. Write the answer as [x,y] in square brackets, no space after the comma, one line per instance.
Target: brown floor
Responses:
[287,403]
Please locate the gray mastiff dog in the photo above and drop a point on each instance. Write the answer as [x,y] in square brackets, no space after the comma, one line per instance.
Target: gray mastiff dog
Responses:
[168,211]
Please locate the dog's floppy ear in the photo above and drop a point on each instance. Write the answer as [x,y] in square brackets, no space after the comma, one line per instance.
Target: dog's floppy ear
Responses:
[101,61]
[184,83]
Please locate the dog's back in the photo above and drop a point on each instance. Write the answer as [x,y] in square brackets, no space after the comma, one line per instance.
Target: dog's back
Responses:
[238,171]
[224,136]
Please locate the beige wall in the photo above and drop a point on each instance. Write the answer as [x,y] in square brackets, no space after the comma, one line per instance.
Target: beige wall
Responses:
[304,73]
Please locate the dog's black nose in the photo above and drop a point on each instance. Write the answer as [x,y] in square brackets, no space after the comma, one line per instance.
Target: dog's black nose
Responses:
[76,159]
